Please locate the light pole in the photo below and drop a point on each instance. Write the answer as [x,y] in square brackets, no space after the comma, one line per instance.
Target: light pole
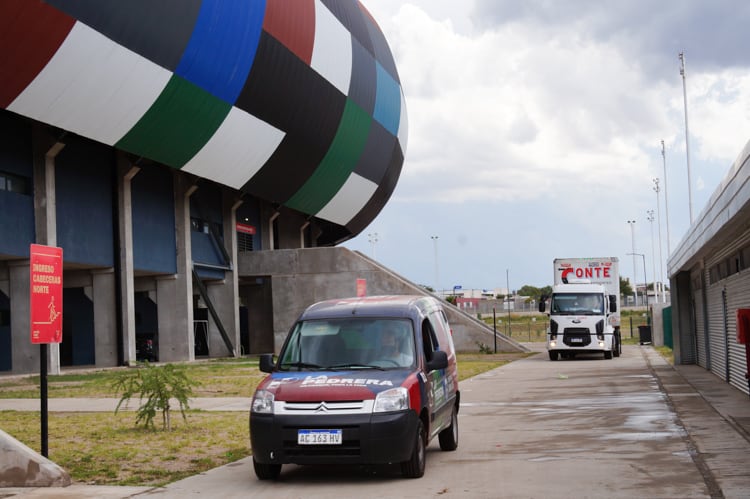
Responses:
[653,260]
[644,301]
[666,200]
[373,239]
[658,224]
[632,237]
[437,274]
[687,135]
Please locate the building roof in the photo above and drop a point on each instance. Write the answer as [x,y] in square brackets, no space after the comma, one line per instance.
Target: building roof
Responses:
[297,103]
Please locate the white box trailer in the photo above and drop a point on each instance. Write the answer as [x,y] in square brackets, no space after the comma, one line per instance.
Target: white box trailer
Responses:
[584,308]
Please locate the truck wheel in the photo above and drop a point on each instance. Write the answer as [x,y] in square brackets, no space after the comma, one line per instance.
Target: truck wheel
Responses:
[414,467]
[266,471]
[617,348]
[552,355]
[449,437]
[608,355]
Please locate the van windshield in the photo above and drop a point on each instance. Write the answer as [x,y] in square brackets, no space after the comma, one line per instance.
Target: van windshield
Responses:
[351,343]
[577,304]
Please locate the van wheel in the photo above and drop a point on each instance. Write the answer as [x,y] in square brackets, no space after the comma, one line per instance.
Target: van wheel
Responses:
[449,437]
[266,471]
[414,467]
[552,355]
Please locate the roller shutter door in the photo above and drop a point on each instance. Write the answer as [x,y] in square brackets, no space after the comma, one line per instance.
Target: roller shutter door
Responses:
[700,329]
[738,296]
[716,333]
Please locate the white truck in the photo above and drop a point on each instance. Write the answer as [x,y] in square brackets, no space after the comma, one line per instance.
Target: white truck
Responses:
[584,308]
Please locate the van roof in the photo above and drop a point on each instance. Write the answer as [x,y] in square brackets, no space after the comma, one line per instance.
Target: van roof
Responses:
[385,305]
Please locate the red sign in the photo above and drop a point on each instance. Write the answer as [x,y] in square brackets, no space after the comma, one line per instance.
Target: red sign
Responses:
[361,287]
[244,228]
[46,293]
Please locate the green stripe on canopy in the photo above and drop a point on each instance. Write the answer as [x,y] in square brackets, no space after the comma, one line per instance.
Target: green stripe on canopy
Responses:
[179,123]
[338,163]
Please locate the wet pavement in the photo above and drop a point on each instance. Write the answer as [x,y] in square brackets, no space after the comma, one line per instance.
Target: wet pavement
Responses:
[632,426]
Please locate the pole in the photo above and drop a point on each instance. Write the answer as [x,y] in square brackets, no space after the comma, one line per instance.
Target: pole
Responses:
[653,260]
[373,238]
[494,327]
[645,281]
[437,275]
[507,284]
[687,135]
[43,396]
[658,223]
[666,202]
[635,278]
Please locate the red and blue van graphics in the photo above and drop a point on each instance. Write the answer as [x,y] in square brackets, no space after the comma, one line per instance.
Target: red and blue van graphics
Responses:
[361,381]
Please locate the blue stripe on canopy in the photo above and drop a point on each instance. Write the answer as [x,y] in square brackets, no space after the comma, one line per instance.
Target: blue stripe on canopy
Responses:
[387,101]
[222,48]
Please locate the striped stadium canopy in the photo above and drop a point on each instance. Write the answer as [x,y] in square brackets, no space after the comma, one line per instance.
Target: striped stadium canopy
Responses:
[297,102]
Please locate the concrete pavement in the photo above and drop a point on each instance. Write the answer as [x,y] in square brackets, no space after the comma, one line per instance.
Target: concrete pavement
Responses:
[711,416]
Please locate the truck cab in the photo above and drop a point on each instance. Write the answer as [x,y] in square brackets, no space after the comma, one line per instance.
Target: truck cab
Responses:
[582,319]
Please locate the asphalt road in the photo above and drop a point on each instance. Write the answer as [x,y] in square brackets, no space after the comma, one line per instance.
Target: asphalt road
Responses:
[583,428]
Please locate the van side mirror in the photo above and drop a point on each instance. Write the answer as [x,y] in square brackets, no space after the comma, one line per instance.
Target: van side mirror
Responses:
[612,304]
[266,362]
[439,361]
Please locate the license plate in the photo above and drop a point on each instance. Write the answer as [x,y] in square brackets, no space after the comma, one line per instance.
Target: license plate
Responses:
[319,437]
[576,340]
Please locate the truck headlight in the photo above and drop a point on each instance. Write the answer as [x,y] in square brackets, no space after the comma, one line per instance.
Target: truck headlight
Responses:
[395,399]
[263,402]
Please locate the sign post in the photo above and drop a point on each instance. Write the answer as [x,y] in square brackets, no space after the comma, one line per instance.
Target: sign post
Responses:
[45,271]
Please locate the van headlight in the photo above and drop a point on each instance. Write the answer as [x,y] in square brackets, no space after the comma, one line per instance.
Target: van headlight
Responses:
[263,402]
[395,399]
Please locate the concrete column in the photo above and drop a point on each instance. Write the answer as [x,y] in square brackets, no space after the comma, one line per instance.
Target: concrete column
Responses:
[224,294]
[105,318]
[45,150]
[175,293]
[25,355]
[125,173]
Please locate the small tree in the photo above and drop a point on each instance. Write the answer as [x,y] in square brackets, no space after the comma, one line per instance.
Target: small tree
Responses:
[155,387]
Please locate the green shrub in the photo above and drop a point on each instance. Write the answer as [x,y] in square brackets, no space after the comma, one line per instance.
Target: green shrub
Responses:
[155,387]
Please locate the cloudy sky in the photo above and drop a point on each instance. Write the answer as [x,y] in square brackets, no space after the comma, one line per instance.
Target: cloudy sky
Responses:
[535,132]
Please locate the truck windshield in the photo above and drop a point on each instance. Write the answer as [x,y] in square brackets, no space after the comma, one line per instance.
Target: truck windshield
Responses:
[577,304]
[359,343]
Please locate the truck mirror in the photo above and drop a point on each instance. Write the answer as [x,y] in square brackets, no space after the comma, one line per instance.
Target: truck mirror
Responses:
[542,303]
[612,304]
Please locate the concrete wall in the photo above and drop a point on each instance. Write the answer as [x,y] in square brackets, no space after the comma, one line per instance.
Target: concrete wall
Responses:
[300,277]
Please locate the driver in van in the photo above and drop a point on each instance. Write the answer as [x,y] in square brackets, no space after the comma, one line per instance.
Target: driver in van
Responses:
[392,347]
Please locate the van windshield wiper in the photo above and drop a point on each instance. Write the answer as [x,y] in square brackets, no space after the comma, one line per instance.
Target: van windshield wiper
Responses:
[300,365]
[355,366]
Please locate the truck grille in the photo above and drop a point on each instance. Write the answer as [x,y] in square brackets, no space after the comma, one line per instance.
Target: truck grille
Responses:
[576,336]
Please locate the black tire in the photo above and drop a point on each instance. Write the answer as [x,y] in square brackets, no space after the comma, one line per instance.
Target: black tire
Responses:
[617,350]
[266,471]
[414,467]
[448,438]
[608,355]
[552,355]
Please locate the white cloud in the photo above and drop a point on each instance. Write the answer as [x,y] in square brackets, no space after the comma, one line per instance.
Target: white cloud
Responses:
[556,118]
